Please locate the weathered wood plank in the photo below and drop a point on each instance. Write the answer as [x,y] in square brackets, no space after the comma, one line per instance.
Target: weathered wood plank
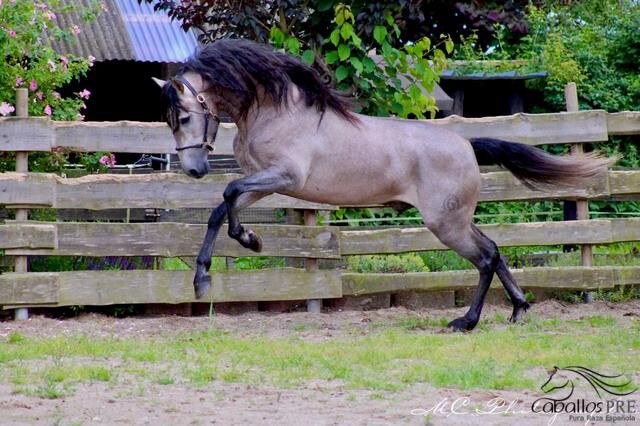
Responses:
[116,287]
[160,190]
[533,129]
[26,134]
[625,230]
[28,288]
[399,240]
[503,186]
[624,183]
[125,136]
[171,190]
[129,136]
[568,278]
[27,189]
[27,236]
[180,239]
[623,123]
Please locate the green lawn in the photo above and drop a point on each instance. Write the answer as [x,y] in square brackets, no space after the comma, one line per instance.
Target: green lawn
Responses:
[390,357]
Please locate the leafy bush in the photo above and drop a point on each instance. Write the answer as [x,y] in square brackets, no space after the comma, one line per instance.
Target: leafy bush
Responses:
[29,61]
[410,262]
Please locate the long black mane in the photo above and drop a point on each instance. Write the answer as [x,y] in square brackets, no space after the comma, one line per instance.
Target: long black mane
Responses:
[240,66]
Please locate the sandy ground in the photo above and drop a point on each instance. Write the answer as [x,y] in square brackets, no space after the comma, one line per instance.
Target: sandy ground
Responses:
[317,403]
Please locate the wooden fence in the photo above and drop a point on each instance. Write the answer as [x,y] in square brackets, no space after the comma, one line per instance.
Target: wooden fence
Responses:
[22,190]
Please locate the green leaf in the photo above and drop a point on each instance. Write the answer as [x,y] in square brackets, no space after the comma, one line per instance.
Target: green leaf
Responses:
[379,33]
[343,52]
[369,64]
[414,92]
[357,41]
[357,64]
[277,36]
[331,57]
[309,57]
[324,5]
[293,45]
[341,73]
[335,37]
[346,31]
[448,45]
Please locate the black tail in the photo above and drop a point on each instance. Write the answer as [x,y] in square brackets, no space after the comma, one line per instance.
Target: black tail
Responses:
[536,168]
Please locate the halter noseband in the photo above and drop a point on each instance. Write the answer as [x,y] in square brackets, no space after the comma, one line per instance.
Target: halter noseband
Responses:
[207,115]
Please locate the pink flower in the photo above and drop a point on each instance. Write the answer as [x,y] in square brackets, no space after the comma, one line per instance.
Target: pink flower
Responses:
[11,33]
[50,15]
[33,85]
[19,81]
[55,95]
[40,95]
[85,94]
[64,60]
[75,30]
[108,160]
[52,65]
[47,110]
[6,109]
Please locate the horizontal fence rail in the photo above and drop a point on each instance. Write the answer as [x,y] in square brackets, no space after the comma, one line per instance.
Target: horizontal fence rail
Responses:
[104,192]
[118,287]
[172,191]
[330,242]
[42,134]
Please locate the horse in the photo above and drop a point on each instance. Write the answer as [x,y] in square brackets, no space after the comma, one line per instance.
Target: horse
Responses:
[299,137]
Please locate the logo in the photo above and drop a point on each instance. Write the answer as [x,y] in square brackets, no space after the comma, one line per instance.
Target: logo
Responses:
[609,389]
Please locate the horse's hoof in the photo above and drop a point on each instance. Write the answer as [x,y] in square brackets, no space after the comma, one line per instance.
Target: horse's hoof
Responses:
[252,241]
[462,324]
[518,311]
[201,285]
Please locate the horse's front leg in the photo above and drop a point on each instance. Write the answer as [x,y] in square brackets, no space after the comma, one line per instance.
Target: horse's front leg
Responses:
[242,192]
[202,281]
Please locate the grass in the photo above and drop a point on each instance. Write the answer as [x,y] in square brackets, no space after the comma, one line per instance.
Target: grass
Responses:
[390,357]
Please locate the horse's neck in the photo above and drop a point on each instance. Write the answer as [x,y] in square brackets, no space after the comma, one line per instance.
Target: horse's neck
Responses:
[264,116]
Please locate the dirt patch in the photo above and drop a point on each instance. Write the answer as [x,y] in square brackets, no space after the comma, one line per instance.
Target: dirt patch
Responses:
[301,324]
[315,403]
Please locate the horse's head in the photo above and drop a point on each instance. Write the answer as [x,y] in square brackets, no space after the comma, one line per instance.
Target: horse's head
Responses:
[192,119]
[557,380]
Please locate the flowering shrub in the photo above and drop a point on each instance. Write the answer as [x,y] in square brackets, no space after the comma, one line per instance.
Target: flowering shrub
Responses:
[26,28]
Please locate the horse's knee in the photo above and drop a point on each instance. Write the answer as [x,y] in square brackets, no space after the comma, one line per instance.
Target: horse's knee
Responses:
[231,192]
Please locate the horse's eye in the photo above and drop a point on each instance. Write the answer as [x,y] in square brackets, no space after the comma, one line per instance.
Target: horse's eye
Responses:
[185,120]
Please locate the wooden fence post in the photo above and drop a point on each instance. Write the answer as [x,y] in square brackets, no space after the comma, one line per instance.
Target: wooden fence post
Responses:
[22,166]
[582,206]
[313,305]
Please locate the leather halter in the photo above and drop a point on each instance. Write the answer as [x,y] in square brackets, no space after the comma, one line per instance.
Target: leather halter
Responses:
[207,115]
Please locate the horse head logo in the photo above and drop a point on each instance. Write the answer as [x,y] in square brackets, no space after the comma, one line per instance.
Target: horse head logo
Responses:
[568,377]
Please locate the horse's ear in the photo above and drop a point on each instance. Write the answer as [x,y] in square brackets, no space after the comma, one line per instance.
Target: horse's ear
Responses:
[178,85]
[159,82]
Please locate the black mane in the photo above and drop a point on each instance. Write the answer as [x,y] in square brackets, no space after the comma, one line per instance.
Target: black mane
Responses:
[240,66]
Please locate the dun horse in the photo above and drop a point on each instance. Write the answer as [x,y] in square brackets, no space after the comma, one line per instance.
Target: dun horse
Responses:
[297,136]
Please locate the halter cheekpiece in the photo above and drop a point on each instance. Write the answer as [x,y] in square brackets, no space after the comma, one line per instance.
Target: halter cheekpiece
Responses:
[207,115]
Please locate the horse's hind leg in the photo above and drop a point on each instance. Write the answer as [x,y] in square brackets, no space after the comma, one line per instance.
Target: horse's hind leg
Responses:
[469,242]
[518,300]
[473,245]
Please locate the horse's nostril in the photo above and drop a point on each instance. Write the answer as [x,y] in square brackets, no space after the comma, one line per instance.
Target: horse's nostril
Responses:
[194,172]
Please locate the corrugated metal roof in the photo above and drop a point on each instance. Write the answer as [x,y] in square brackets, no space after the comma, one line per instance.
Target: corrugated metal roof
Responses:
[507,75]
[127,31]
